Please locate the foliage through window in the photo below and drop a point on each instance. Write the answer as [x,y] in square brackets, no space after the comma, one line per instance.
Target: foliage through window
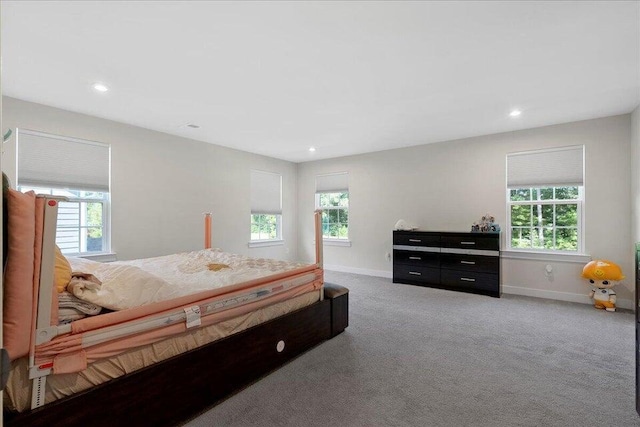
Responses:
[82,225]
[547,218]
[335,214]
[265,227]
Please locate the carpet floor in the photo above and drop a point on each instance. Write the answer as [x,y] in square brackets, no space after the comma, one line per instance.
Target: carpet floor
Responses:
[415,356]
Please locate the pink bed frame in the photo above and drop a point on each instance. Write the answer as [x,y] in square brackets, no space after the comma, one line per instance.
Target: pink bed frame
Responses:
[50,342]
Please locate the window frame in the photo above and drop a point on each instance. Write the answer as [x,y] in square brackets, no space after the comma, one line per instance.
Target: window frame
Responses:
[332,240]
[579,202]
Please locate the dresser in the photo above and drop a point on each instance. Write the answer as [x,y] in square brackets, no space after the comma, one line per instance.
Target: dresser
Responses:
[467,262]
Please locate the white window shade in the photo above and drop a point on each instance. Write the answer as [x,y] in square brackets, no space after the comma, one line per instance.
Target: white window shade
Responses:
[332,183]
[59,162]
[560,167]
[266,193]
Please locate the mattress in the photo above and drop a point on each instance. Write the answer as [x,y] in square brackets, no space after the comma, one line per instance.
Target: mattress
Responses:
[129,284]
[18,390]
[159,297]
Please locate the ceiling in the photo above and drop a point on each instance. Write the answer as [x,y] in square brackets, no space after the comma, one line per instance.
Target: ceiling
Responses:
[276,78]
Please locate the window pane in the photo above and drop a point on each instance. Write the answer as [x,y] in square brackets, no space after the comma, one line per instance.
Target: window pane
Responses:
[94,214]
[344,216]
[521,237]
[546,194]
[542,215]
[567,193]
[567,239]
[334,199]
[520,194]
[537,238]
[548,238]
[68,240]
[567,215]
[521,215]
[94,240]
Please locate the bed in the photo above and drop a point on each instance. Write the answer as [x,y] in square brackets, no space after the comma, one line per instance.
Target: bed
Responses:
[163,362]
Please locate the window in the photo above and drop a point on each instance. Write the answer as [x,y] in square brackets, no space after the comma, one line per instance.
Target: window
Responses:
[545,198]
[546,218]
[80,229]
[332,196]
[265,227]
[75,169]
[266,206]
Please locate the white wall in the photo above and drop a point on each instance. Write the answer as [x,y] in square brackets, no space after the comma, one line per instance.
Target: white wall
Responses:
[161,184]
[448,186]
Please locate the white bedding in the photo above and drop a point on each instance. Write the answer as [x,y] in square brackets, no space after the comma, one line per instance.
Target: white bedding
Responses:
[128,284]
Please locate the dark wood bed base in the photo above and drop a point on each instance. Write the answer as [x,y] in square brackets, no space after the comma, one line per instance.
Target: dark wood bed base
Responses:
[173,391]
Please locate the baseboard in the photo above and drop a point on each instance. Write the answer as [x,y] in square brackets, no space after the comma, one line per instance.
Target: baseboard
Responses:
[507,289]
[363,271]
[560,296]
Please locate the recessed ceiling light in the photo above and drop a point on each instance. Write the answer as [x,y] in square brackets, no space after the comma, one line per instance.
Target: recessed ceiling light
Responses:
[100,87]
[312,149]
[515,113]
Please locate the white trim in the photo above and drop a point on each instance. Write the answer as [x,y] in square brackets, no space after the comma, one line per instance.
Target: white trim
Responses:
[336,242]
[105,257]
[560,296]
[547,256]
[363,271]
[265,243]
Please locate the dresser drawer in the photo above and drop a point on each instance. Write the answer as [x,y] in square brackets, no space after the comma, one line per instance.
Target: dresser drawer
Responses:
[470,280]
[470,241]
[479,264]
[416,239]
[424,259]
[415,274]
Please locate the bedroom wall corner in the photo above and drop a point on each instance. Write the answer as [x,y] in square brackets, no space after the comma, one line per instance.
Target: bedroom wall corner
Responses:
[447,186]
[161,184]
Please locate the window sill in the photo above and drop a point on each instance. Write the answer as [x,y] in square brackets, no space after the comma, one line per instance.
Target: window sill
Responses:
[265,243]
[104,257]
[547,256]
[336,242]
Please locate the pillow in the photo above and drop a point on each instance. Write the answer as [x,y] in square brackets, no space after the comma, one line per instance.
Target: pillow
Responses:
[62,272]
[18,274]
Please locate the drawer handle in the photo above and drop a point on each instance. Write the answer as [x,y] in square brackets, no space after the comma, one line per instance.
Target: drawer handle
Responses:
[415,257]
[415,273]
[467,243]
[467,279]
[468,262]
[415,240]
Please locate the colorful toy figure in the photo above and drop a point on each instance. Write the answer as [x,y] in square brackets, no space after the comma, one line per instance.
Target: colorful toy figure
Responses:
[603,275]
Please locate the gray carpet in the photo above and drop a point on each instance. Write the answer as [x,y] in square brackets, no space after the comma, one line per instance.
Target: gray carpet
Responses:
[417,356]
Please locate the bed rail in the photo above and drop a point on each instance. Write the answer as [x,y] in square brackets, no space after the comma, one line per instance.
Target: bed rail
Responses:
[43,330]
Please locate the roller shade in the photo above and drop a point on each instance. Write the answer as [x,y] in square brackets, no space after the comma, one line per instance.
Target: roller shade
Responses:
[266,193]
[54,161]
[332,183]
[559,167]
